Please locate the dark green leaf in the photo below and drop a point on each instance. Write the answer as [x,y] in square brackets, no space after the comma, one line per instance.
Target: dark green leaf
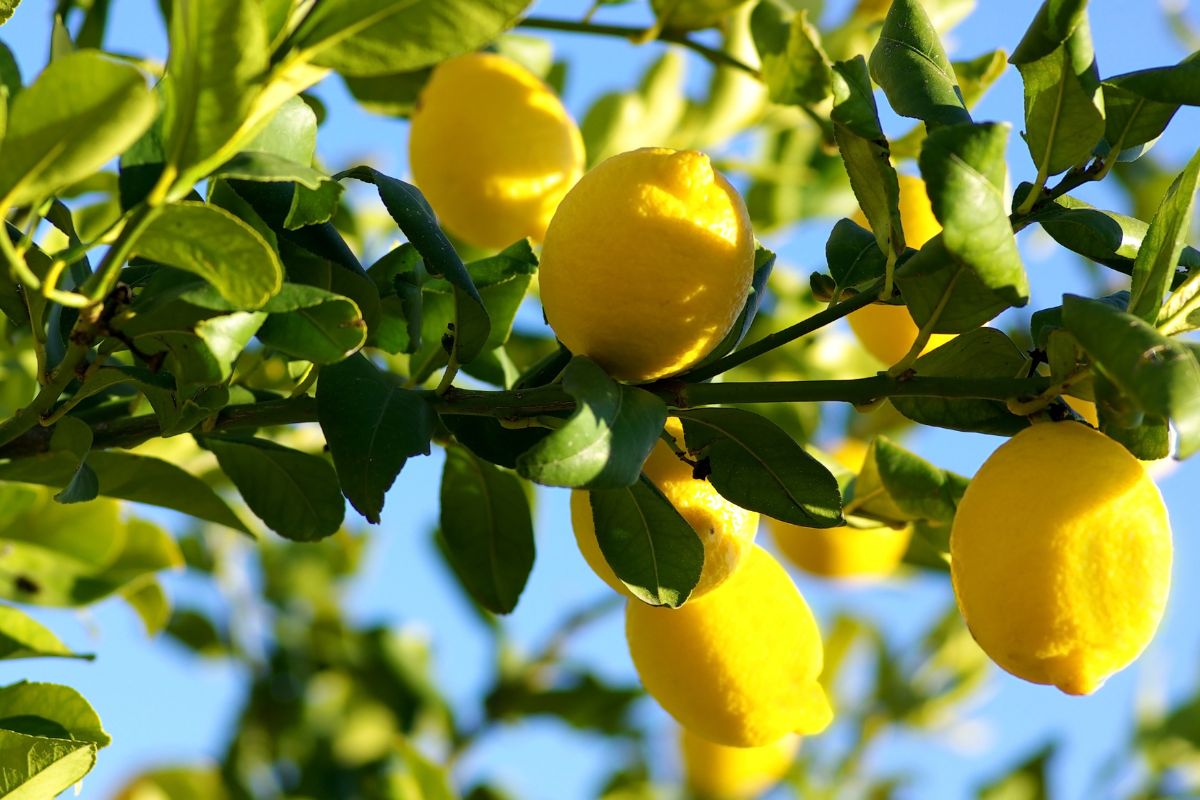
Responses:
[82,111]
[854,258]
[911,66]
[487,529]
[372,426]
[7,9]
[293,492]
[1154,266]
[583,701]
[651,548]
[1056,20]
[72,715]
[605,442]
[487,438]
[979,353]
[314,325]
[1139,105]
[1160,374]
[391,95]
[897,486]
[756,465]
[214,244]
[74,438]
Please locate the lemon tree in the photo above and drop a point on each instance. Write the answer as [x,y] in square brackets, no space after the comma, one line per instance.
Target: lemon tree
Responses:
[220,349]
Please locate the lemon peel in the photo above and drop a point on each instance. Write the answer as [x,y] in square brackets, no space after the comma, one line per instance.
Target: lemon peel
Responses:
[718,772]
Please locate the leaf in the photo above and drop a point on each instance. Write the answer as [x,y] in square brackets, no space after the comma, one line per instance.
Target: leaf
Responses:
[150,602]
[373,426]
[73,437]
[21,636]
[1027,781]
[764,264]
[414,216]
[72,715]
[651,114]
[980,353]
[146,549]
[854,258]
[252,165]
[1162,375]
[82,111]
[1154,266]
[794,67]
[378,37]
[204,355]
[1064,108]
[897,486]
[487,438]
[650,547]
[7,9]
[219,55]
[293,492]
[392,95]
[487,529]
[1139,105]
[214,244]
[177,783]
[910,65]
[605,442]
[756,465]
[312,324]
[290,134]
[36,767]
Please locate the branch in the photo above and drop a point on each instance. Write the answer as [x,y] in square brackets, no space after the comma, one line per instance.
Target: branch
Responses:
[636,36]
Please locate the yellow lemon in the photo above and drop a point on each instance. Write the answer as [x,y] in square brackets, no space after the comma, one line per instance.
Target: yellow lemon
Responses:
[1084,408]
[647,263]
[727,531]
[718,772]
[492,149]
[888,332]
[689,15]
[738,666]
[1061,556]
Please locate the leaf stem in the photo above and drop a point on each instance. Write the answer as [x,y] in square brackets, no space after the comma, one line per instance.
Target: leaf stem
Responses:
[636,36]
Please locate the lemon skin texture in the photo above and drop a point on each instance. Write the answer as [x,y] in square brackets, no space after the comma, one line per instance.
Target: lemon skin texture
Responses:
[1061,556]
[738,666]
[888,332]
[691,15]
[647,263]
[716,772]
[493,150]
[727,531]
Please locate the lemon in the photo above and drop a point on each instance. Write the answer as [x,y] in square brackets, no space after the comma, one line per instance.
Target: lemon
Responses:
[690,15]
[1061,556]
[1084,408]
[718,772]
[885,331]
[727,531]
[843,552]
[647,263]
[738,666]
[492,149]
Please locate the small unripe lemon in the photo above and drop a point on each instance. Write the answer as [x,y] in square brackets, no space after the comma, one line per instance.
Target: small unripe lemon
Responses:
[738,666]
[718,772]
[727,531]
[492,149]
[888,332]
[1060,556]
[690,15]
[647,263]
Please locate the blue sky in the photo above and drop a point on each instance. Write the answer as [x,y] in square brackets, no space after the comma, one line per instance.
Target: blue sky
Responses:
[162,705]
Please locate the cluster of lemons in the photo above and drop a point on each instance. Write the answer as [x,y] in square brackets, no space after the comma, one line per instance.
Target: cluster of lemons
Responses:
[1060,549]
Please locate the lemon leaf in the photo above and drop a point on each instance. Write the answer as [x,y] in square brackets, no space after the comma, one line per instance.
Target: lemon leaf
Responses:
[911,66]
[487,529]
[21,636]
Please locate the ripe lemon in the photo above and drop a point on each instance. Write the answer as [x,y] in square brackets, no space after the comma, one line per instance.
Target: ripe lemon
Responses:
[888,332]
[690,15]
[843,552]
[727,531]
[1061,556]
[1084,408]
[717,772]
[738,666]
[493,149]
[647,263]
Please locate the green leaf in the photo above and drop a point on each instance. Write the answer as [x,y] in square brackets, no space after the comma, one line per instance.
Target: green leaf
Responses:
[37,767]
[487,438]
[418,777]
[219,56]
[146,549]
[21,636]
[150,602]
[910,65]
[74,437]
[854,258]
[252,165]
[651,548]
[1139,105]
[1027,781]
[412,213]
[605,442]
[82,111]
[293,492]
[373,426]
[487,529]
[1154,266]
[140,479]
[210,242]
[290,134]
[651,114]
[1064,108]
[378,37]
[756,465]
[205,355]
[940,290]
[60,705]
[1161,374]
[1145,436]
[897,486]
[7,9]
[178,783]
[312,324]
[393,95]
[794,67]
[980,353]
